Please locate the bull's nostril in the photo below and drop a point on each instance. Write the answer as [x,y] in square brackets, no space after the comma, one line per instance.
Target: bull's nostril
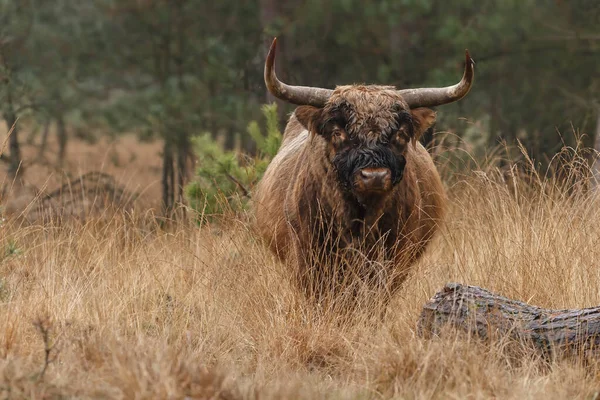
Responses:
[365,174]
[375,174]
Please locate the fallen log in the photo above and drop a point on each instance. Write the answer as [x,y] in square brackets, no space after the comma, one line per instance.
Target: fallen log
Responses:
[481,313]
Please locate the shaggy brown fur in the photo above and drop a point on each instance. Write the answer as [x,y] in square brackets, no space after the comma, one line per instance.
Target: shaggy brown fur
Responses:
[333,231]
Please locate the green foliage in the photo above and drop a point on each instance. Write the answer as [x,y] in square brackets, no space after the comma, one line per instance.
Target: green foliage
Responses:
[225,178]
[267,144]
[11,249]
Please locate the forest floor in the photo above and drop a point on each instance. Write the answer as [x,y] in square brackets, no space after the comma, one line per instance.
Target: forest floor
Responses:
[124,309]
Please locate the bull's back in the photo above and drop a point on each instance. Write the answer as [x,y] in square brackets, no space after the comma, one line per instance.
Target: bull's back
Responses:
[271,192]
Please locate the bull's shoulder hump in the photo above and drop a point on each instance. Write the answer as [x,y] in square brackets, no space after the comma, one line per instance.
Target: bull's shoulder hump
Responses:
[420,155]
[293,144]
[293,128]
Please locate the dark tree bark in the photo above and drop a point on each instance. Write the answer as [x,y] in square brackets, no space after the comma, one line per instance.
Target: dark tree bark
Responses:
[182,156]
[229,142]
[171,178]
[44,142]
[486,315]
[268,13]
[596,166]
[61,131]
[183,143]
[248,144]
[270,10]
[167,178]
[10,117]
[170,60]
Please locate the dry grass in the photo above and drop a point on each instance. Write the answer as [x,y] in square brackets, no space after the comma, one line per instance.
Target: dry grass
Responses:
[134,165]
[132,311]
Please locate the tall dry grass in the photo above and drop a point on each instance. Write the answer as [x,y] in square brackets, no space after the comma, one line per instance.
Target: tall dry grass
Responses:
[130,310]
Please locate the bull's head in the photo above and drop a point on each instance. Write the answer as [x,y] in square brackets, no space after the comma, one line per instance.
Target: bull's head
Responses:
[367,128]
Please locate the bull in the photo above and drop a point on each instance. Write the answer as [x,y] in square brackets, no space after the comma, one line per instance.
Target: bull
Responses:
[352,193]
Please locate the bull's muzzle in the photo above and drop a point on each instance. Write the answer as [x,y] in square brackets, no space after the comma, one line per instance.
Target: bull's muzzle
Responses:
[373,180]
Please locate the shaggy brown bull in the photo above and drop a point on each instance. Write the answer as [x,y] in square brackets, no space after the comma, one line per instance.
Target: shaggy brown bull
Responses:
[351,192]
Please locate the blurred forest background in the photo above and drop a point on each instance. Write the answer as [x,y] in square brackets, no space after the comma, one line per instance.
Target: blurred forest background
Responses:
[174,69]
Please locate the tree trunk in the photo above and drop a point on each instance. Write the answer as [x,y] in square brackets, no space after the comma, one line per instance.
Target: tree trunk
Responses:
[486,315]
[229,140]
[182,156]
[14,167]
[248,144]
[183,142]
[596,166]
[269,11]
[10,117]
[495,136]
[33,132]
[61,130]
[167,178]
[44,142]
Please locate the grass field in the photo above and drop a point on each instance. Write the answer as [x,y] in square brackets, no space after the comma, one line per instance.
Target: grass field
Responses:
[124,309]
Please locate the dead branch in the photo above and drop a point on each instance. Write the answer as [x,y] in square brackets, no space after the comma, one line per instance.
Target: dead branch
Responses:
[486,315]
[44,327]
[245,191]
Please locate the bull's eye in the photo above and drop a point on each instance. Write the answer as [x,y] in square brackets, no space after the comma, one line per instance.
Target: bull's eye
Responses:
[338,136]
[401,137]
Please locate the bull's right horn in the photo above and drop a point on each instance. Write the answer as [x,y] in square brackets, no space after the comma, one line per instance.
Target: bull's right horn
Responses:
[431,97]
[299,95]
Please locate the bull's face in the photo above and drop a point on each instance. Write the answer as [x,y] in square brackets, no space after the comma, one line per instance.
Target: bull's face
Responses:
[368,130]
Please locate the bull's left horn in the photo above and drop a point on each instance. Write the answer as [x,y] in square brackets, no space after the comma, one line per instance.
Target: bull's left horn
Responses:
[299,95]
[431,97]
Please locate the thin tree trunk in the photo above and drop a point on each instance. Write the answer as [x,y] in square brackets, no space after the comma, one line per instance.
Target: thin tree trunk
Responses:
[163,58]
[10,117]
[32,135]
[229,140]
[61,131]
[183,143]
[596,166]
[182,155]
[398,45]
[486,315]
[212,119]
[171,170]
[248,144]
[167,173]
[44,142]
[269,11]
[497,136]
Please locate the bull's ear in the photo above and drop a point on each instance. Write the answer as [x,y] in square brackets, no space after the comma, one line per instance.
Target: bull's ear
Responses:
[309,117]
[423,119]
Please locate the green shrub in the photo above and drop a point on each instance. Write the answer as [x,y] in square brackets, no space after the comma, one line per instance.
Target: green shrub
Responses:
[225,178]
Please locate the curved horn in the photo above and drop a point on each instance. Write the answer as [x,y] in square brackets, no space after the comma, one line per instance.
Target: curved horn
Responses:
[430,97]
[299,95]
